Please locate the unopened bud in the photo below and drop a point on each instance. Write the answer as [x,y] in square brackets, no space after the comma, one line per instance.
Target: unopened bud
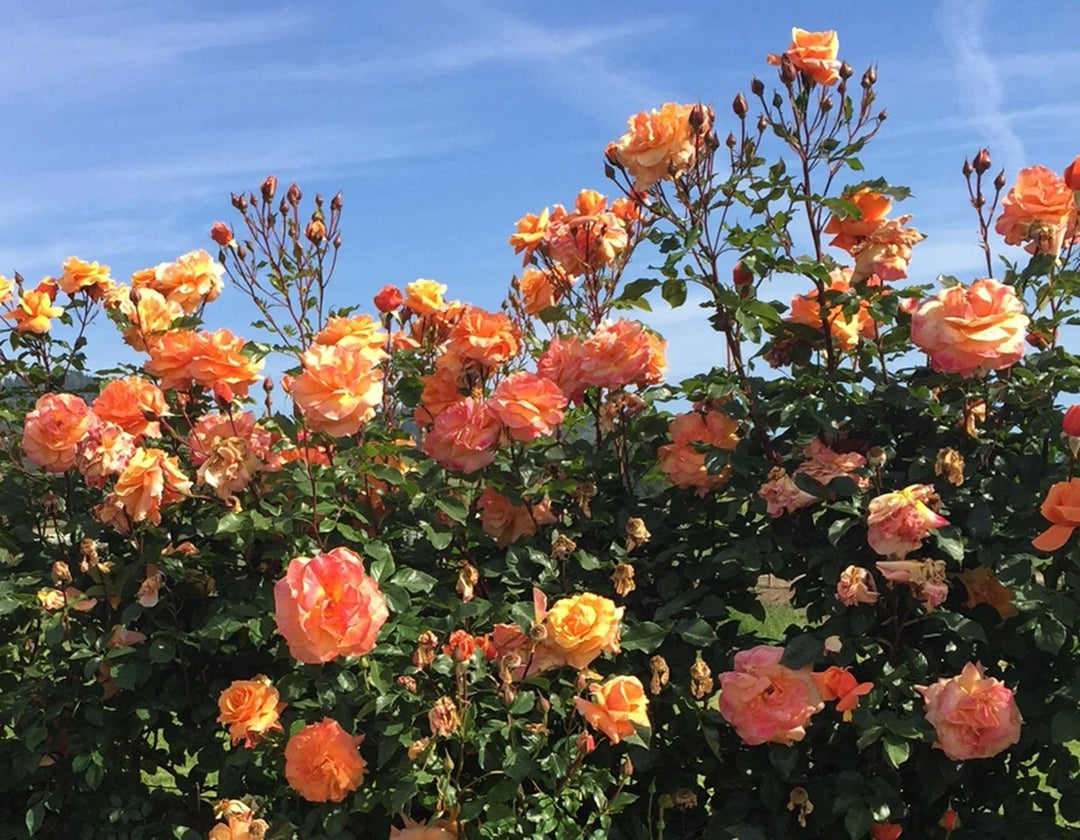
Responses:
[731,141]
[869,77]
[336,202]
[315,231]
[609,171]
[999,181]
[268,384]
[788,73]
[967,168]
[949,820]
[337,241]
[884,115]
[846,70]
[221,234]
[268,188]
[697,117]
[826,103]
[627,768]
[762,123]
[712,141]
[876,458]
[135,296]
[777,100]
[757,87]
[739,106]
[239,202]
[982,161]
[294,195]
[318,199]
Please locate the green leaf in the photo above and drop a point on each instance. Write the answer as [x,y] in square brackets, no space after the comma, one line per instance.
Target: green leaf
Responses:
[802,650]
[897,751]
[674,292]
[1065,726]
[950,542]
[645,636]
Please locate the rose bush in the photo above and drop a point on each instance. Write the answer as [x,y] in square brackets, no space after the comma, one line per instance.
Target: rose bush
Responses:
[465,573]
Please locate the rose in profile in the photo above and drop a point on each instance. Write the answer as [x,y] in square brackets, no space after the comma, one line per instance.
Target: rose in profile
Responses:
[766,701]
[970,330]
[814,53]
[322,762]
[250,708]
[326,606]
[617,707]
[975,716]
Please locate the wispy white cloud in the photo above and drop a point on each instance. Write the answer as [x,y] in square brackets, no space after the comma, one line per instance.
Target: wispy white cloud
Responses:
[982,91]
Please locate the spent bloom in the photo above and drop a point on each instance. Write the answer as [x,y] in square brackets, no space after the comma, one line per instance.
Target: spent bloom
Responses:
[898,522]
[856,586]
[925,578]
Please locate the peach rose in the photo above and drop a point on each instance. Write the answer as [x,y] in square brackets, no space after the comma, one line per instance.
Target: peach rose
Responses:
[885,253]
[339,389]
[814,53]
[823,465]
[782,495]
[618,707]
[211,428]
[442,389]
[1039,209]
[983,587]
[239,827]
[192,280]
[251,709]
[229,468]
[856,586]
[680,461]
[122,637]
[899,522]
[660,144]
[766,701]
[925,578]
[582,627]
[463,436]
[323,762]
[7,289]
[104,451]
[434,830]
[971,330]
[489,339]
[527,405]
[361,333]
[79,275]
[561,362]
[53,430]
[326,607]
[585,242]
[623,353]
[424,297]
[34,312]
[131,403]
[541,290]
[849,231]
[150,588]
[148,316]
[1061,508]
[506,522]
[530,232]
[975,716]
[214,361]
[150,480]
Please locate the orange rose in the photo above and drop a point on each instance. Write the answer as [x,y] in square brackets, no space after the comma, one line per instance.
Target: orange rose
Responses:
[129,403]
[849,231]
[584,243]
[562,363]
[7,289]
[623,353]
[103,452]
[251,709]
[323,762]
[487,338]
[660,144]
[682,463]
[54,429]
[80,275]
[389,298]
[326,606]
[541,290]
[530,231]
[1039,209]
[983,587]
[618,707]
[1062,509]
[435,830]
[839,684]
[150,480]
[442,389]
[212,360]
[898,522]
[194,279]
[971,330]
[814,53]
[845,329]
[582,627]
[463,436]
[527,405]
[34,312]
[506,522]
[361,333]
[424,297]
[339,389]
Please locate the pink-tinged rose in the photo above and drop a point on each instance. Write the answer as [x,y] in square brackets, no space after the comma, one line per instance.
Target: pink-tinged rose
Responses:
[1072,175]
[326,606]
[133,404]
[782,495]
[464,436]
[813,53]
[856,586]
[899,522]
[617,707]
[623,353]
[973,329]
[54,429]
[506,522]
[434,830]
[147,595]
[766,701]
[925,578]
[103,452]
[122,637]
[1039,210]
[585,241]
[151,480]
[823,465]
[886,252]
[1070,423]
[1062,509]
[975,716]
[528,406]
[681,461]
[562,363]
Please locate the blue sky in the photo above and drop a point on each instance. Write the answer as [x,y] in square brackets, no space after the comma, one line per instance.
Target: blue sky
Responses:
[127,124]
